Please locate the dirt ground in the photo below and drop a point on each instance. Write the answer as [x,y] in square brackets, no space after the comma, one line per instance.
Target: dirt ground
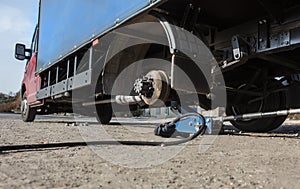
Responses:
[234,160]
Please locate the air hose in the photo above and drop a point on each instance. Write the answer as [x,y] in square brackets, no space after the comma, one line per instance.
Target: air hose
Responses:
[201,130]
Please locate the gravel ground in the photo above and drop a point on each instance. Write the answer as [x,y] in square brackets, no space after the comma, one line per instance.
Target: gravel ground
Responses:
[235,160]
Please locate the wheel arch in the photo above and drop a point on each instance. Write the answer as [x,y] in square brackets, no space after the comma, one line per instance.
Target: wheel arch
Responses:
[110,69]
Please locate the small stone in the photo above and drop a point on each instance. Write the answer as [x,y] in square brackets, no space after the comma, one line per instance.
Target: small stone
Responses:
[75,124]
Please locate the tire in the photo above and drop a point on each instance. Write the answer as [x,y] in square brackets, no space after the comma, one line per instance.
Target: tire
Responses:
[28,113]
[273,102]
[104,113]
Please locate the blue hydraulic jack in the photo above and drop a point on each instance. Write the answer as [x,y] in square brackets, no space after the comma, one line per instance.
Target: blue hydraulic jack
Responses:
[189,125]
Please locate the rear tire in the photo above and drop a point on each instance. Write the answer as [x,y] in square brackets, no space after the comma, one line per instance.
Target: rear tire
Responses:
[28,113]
[273,102]
[104,113]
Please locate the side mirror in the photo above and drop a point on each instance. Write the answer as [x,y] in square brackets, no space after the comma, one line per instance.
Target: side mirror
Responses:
[20,52]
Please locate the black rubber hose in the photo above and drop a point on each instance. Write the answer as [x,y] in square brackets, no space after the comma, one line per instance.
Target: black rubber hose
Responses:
[201,130]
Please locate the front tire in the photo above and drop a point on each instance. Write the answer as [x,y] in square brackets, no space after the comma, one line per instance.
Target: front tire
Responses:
[28,113]
[104,113]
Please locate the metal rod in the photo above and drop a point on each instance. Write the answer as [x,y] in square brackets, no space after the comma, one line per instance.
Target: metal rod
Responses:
[259,115]
[186,14]
[75,65]
[91,58]
[244,91]
[173,71]
[57,70]
[68,69]
[49,78]
[120,99]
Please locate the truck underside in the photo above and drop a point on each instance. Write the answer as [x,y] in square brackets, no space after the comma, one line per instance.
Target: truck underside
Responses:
[255,43]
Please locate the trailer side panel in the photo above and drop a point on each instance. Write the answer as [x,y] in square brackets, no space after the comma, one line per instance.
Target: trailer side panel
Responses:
[67,25]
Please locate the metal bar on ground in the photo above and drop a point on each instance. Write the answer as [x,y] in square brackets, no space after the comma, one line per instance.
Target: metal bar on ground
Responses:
[120,99]
[260,115]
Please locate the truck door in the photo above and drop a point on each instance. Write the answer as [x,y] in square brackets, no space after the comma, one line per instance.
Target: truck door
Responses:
[31,80]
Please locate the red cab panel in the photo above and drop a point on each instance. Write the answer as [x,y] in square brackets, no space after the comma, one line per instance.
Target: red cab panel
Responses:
[31,80]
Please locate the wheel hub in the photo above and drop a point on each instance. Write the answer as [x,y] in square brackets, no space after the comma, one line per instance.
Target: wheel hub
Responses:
[153,86]
[144,87]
